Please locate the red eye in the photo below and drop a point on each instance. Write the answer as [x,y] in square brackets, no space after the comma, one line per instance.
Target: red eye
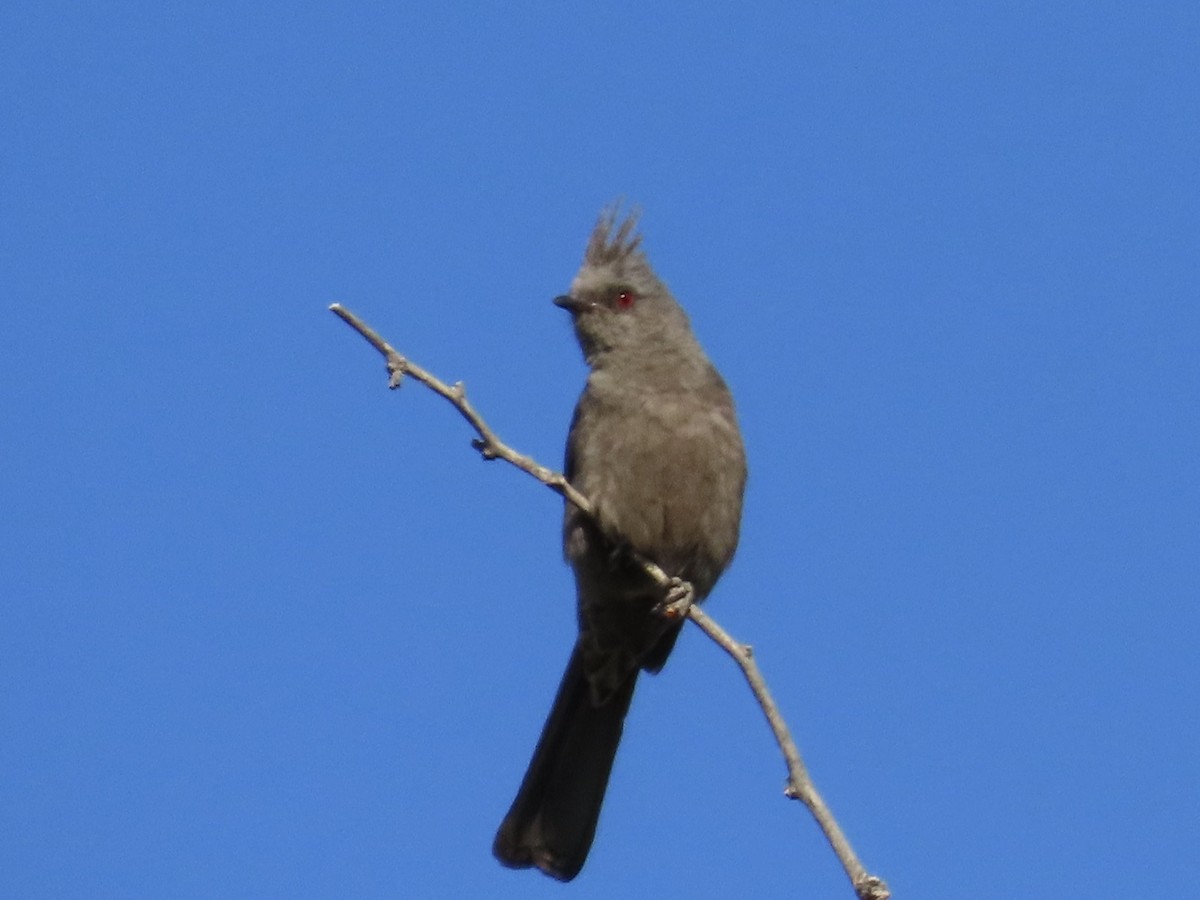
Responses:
[625,299]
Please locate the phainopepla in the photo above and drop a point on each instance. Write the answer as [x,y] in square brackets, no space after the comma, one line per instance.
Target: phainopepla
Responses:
[654,444]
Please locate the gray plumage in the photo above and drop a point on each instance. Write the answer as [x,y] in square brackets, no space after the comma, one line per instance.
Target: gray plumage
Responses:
[654,444]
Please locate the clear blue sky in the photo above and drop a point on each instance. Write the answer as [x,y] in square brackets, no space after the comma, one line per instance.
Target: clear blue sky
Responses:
[270,630]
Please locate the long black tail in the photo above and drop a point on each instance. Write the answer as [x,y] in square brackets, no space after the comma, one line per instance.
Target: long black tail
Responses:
[553,820]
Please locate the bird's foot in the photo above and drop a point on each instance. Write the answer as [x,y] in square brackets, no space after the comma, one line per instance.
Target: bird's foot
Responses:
[677,600]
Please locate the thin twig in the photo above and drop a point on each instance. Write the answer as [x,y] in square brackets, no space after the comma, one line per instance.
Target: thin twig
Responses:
[488,444]
[800,785]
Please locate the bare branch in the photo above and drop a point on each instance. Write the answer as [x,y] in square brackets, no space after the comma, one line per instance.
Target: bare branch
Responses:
[679,601]
[800,785]
[487,443]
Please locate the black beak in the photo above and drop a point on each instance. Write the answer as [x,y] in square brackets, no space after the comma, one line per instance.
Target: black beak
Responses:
[573,305]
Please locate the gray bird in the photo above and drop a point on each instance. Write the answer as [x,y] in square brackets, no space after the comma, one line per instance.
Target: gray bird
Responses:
[654,444]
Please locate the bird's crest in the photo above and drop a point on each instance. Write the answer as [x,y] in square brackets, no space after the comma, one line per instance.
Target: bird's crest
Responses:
[615,243]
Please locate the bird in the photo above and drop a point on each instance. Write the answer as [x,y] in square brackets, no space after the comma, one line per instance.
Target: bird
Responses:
[654,444]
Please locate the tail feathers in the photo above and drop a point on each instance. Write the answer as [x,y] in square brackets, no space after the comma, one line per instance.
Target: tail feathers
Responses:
[553,819]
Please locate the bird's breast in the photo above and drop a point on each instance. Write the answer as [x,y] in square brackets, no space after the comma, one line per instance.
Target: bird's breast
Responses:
[666,475]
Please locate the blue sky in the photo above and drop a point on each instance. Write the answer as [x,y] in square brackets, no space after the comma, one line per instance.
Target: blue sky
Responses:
[273,631]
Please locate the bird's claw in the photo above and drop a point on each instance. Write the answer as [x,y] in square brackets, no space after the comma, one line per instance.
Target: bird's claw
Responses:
[677,600]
